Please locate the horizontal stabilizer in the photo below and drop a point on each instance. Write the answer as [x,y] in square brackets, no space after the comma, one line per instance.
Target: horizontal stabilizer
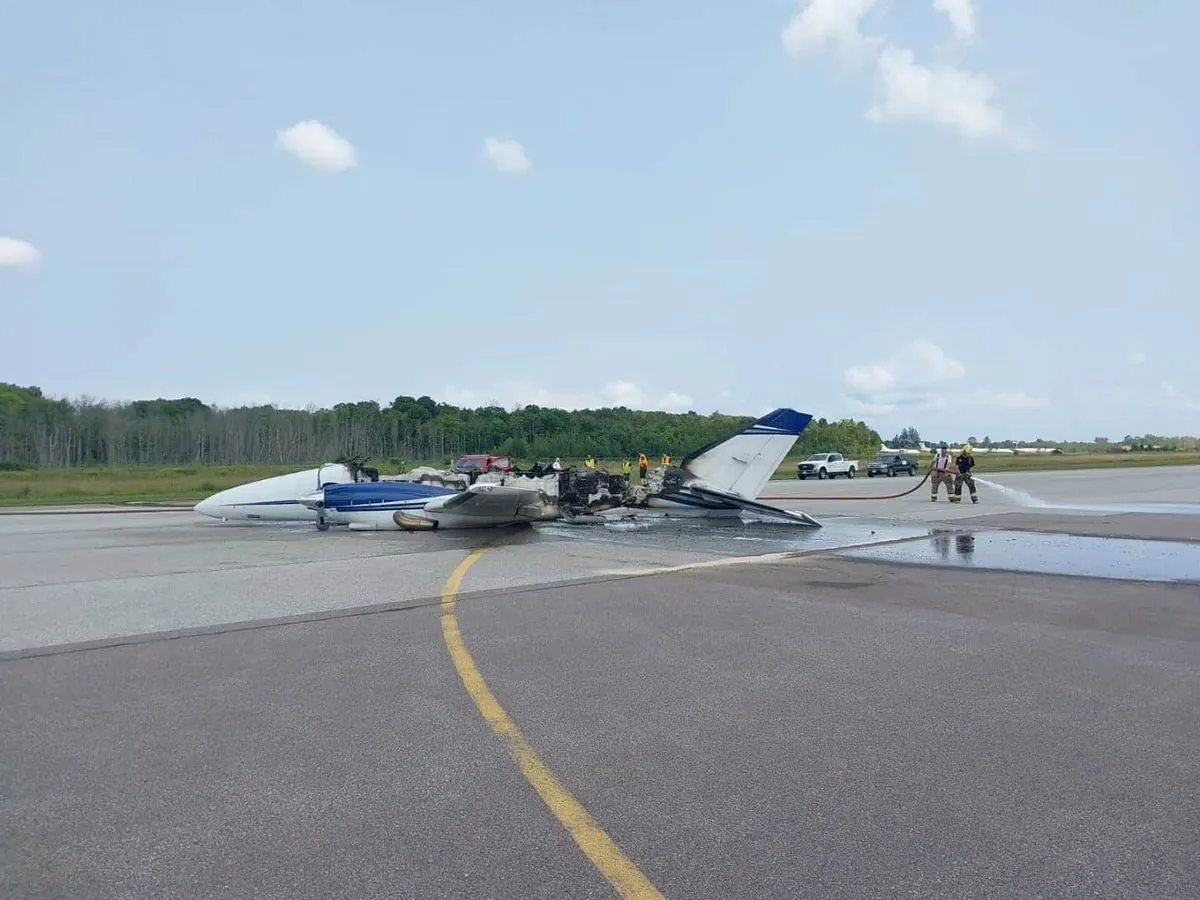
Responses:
[753,505]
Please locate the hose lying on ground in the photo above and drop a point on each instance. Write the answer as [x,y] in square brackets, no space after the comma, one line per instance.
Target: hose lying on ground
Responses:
[872,497]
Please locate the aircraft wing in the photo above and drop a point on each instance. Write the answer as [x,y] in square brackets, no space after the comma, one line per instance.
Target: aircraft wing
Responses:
[711,493]
[498,502]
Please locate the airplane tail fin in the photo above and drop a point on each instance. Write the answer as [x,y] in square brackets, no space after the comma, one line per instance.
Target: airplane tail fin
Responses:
[743,463]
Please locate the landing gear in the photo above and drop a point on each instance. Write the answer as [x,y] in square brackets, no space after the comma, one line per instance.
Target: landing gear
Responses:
[322,525]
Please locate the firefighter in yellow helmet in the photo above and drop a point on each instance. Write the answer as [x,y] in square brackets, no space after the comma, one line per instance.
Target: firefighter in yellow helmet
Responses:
[965,463]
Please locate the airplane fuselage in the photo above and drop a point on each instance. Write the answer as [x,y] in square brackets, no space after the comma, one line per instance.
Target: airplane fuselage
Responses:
[275,499]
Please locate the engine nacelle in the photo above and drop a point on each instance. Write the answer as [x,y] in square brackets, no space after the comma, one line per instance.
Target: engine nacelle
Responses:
[408,522]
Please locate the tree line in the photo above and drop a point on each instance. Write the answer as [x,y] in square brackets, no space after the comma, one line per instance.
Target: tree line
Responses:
[911,438]
[44,432]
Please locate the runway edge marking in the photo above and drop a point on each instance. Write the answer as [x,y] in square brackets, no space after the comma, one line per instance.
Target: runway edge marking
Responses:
[603,852]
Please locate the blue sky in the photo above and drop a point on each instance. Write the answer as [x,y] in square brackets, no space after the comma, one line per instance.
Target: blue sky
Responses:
[974,217]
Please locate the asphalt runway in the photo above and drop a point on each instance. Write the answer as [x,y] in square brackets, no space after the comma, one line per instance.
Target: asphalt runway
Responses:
[197,709]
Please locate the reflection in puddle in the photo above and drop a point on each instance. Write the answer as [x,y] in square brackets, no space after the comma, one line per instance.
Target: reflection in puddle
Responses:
[1052,554]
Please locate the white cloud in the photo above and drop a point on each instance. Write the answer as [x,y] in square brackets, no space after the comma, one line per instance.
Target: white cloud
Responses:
[17,254]
[962,15]
[1137,359]
[832,23]
[1019,400]
[916,377]
[906,90]
[1178,398]
[507,157]
[870,377]
[318,146]
[943,95]
[518,393]
[935,360]
[675,401]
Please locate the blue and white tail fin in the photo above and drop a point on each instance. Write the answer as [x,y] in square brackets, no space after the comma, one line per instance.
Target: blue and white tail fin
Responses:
[744,463]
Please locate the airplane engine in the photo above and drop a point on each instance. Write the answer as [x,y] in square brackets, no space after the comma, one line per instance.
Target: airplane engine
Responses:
[409,522]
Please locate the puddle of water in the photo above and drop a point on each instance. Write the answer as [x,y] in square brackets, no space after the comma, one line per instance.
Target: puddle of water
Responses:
[737,536]
[1051,554]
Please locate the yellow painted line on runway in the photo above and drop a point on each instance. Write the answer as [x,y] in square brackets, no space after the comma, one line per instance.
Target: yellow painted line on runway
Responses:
[605,855]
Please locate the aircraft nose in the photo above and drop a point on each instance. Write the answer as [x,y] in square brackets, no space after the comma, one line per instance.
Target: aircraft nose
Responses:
[314,500]
[206,507]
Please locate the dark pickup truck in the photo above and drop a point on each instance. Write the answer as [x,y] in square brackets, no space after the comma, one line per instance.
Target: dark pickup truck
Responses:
[889,464]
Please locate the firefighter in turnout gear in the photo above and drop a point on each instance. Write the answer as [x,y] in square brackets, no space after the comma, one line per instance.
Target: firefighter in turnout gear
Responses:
[941,472]
[965,463]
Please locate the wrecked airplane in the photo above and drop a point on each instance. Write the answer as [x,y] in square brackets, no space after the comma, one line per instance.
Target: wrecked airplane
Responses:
[721,479]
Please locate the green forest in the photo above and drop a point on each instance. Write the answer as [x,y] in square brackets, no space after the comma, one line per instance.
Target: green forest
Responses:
[47,433]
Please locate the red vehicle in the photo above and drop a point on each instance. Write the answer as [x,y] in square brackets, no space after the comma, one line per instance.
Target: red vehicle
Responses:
[480,463]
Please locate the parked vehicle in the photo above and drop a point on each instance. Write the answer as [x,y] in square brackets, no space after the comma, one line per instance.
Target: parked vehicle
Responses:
[476,464]
[890,464]
[826,465]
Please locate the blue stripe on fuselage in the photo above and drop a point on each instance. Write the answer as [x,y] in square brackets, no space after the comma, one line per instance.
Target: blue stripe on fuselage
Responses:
[382,495]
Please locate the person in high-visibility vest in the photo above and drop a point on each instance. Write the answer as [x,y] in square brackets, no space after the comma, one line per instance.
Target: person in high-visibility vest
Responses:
[625,467]
[590,462]
[643,465]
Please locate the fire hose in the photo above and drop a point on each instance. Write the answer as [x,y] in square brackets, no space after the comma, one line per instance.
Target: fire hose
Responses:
[911,490]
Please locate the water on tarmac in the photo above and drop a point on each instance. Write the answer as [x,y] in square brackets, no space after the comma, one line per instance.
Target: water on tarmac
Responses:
[1051,554]
[744,536]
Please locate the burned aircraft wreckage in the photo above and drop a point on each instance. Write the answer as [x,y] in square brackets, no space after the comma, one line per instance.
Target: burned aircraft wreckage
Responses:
[721,479]
[571,493]
[584,495]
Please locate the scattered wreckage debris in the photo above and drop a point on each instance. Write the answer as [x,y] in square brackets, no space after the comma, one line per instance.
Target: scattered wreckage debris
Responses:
[583,496]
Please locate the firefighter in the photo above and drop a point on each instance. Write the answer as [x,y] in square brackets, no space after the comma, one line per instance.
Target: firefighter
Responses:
[666,459]
[941,472]
[643,465]
[965,463]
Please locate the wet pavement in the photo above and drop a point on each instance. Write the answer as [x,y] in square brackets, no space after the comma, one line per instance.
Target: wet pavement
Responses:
[836,725]
[1049,554]
[739,536]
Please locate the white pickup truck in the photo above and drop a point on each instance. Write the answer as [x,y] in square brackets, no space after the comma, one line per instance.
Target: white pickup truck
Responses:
[826,465]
